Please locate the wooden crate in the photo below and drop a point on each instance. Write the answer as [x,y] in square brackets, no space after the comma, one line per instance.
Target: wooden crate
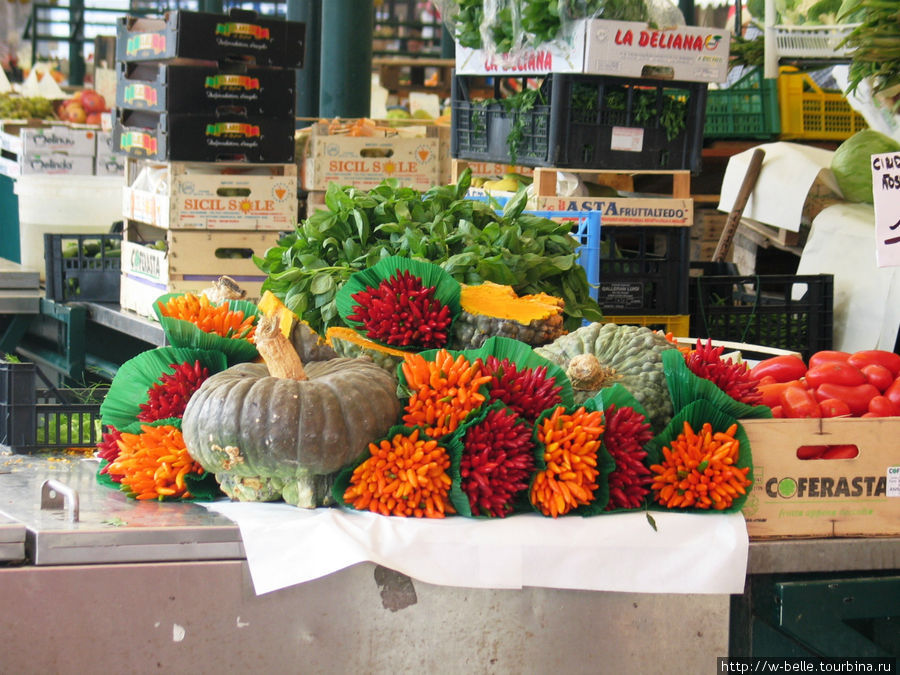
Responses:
[791,497]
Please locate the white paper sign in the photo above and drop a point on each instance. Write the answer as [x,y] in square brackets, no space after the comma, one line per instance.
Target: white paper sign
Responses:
[627,139]
[886,191]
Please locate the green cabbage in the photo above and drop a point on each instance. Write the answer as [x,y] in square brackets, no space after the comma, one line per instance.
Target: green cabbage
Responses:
[851,163]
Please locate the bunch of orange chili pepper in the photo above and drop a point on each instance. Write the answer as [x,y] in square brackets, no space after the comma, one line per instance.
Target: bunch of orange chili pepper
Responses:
[405,476]
[698,470]
[210,318]
[571,442]
[445,391]
[153,464]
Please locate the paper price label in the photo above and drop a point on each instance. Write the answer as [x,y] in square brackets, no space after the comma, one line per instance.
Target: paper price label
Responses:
[893,481]
[886,191]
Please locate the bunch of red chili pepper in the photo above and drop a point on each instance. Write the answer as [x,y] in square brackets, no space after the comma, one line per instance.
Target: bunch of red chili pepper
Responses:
[832,384]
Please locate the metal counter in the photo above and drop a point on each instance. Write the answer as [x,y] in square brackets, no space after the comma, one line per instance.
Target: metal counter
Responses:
[163,587]
[108,527]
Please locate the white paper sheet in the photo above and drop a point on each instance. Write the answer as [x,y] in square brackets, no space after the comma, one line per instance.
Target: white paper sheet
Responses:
[788,172]
[866,297]
[689,553]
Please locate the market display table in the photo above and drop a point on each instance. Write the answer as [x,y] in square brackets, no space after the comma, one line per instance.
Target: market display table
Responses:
[137,586]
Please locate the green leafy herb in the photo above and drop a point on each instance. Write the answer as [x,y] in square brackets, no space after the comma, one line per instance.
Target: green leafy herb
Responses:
[468,238]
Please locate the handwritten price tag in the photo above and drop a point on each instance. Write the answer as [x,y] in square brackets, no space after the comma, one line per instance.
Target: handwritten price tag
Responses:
[886,191]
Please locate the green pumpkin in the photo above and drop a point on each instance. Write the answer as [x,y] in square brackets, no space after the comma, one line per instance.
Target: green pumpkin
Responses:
[601,354]
[267,437]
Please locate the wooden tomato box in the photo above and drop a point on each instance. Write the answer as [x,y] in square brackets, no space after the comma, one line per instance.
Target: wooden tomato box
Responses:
[855,497]
[211,195]
[365,161]
[160,261]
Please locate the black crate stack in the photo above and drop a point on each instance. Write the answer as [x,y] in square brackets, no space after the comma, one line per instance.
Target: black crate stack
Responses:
[206,104]
[202,87]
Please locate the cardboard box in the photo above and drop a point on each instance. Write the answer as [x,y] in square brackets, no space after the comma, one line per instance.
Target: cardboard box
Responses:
[204,138]
[50,164]
[620,48]
[215,196]
[239,36]
[109,164]
[190,255]
[625,211]
[821,497]
[196,90]
[73,141]
[365,162]
[138,294]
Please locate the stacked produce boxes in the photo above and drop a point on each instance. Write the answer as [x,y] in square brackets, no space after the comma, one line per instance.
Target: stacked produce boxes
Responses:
[205,116]
[619,101]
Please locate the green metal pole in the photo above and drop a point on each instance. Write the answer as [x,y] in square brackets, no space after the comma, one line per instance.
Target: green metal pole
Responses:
[76,42]
[448,44]
[345,88]
[308,12]
[211,6]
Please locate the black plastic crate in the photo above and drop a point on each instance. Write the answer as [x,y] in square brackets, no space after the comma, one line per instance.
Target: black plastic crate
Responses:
[785,311]
[54,418]
[644,270]
[585,122]
[84,267]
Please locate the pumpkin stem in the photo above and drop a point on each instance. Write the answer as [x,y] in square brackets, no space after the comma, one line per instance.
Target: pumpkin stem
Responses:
[587,373]
[277,351]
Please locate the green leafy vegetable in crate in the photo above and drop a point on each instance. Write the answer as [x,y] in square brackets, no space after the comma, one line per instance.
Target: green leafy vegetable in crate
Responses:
[469,239]
[647,106]
[876,48]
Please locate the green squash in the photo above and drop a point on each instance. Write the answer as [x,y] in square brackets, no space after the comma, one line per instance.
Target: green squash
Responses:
[267,437]
[602,354]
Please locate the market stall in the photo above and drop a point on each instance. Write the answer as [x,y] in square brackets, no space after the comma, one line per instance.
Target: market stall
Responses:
[448,428]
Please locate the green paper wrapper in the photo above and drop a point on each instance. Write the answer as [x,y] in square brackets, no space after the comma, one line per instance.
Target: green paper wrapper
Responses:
[519,502]
[342,480]
[685,388]
[131,385]
[620,397]
[605,466]
[519,353]
[696,414]
[446,290]
[203,487]
[182,333]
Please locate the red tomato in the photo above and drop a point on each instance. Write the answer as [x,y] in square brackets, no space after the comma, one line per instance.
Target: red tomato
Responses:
[799,402]
[857,398]
[768,379]
[889,360]
[834,373]
[893,393]
[834,407]
[882,407]
[783,368]
[840,452]
[777,412]
[828,356]
[878,376]
[771,393]
[811,451]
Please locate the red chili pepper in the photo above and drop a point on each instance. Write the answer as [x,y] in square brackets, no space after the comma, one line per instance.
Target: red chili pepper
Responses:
[783,368]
